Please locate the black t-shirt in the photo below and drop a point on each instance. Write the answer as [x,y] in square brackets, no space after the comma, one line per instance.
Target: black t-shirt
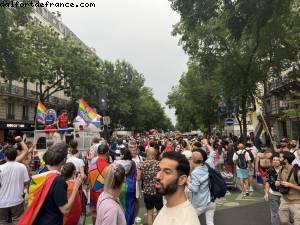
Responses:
[272,178]
[50,214]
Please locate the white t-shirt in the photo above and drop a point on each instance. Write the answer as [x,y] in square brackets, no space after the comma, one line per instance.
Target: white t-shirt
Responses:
[235,156]
[183,214]
[76,161]
[13,175]
[138,159]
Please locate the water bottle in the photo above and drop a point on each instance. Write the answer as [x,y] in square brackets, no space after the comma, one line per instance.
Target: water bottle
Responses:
[138,221]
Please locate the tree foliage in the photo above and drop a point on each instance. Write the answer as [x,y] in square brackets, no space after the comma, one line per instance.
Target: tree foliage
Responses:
[10,50]
[59,63]
[194,99]
[240,43]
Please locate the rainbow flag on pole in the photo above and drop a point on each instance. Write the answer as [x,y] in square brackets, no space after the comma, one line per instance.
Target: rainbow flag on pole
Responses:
[40,113]
[88,114]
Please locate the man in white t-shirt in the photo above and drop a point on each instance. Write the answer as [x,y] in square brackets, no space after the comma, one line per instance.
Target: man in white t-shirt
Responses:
[242,160]
[132,146]
[170,182]
[13,180]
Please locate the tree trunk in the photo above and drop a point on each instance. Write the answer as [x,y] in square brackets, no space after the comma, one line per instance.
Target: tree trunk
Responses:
[41,96]
[265,106]
[240,124]
[244,119]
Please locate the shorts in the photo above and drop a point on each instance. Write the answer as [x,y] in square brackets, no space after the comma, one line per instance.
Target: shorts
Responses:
[152,201]
[263,171]
[49,129]
[242,173]
[11,215]
[251,171]
[62,130]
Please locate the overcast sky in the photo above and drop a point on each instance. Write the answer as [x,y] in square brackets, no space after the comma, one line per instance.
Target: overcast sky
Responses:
[138,31]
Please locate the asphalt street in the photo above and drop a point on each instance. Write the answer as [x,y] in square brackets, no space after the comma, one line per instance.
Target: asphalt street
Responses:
[253,214]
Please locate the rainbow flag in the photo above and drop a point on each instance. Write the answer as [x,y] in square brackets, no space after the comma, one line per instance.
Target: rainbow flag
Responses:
[88,114]
[128,195]
[40,113]
[40,185]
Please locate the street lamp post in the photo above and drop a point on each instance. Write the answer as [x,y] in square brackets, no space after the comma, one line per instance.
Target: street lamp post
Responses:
[103,107]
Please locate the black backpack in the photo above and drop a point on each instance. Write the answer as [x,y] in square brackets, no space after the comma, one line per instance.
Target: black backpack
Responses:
[250,154]
[296,170]
[241,161]
[217,184]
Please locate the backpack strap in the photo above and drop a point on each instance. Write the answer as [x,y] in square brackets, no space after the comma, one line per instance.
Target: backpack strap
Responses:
[208,167]
[296,170]
[290,174]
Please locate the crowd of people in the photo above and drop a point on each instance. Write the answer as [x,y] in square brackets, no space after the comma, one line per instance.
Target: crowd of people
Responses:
[169,172]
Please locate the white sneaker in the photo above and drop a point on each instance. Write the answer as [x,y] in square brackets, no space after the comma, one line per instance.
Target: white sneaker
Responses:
[251,189]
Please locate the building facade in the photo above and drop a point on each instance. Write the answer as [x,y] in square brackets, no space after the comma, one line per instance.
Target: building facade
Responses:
[18,99]
[278,99]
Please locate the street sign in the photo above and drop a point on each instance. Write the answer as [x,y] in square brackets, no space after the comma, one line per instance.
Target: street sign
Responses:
[106,120]
[229,121]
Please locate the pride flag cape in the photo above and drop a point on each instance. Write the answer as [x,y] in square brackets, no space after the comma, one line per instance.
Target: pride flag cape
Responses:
[38,190]
[40,113]
[96,176]
[88,114]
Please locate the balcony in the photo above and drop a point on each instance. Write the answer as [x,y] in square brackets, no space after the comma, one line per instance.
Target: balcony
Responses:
[13,90]
[282,84]
[56,101]
[16,91]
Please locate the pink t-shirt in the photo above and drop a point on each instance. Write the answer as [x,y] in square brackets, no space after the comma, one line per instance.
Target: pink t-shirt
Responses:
[109,211]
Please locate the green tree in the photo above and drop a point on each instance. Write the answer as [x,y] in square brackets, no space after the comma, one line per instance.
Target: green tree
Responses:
[130,103]
[150,114]
[241,43]
[195,99]
[10,37]
[58,64]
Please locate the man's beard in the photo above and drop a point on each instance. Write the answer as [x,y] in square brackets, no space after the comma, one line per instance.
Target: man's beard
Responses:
[169,189]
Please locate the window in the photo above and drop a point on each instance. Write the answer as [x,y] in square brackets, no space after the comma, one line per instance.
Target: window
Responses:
[25,112]
[10,111]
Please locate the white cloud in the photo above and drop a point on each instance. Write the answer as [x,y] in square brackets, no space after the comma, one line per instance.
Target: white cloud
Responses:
[136,30]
